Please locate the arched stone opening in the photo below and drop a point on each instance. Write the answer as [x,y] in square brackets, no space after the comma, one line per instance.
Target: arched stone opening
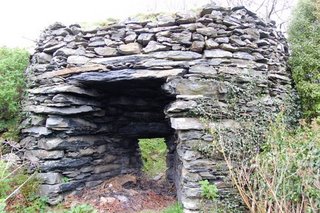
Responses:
[133,109]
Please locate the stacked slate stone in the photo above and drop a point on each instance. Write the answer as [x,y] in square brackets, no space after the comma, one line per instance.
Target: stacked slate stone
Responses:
[93,93]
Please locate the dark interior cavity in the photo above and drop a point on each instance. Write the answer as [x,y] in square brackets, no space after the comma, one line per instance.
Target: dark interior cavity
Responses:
[136,110]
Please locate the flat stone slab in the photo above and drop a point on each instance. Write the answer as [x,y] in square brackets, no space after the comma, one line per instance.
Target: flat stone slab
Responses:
[126,74]
[177,55]
[72,70]
[59,110]
[63,89]
[186,124]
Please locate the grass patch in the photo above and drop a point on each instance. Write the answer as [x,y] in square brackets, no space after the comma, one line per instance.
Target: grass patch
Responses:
[153,153]
[175,208]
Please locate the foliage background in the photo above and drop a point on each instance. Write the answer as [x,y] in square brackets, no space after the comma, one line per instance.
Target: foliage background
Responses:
[13,62]
[304,38]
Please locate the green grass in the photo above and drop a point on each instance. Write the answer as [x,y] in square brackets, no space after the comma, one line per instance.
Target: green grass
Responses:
[153,153]
[175,208]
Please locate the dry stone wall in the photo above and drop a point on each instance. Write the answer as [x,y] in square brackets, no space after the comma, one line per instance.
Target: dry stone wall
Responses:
[93,93]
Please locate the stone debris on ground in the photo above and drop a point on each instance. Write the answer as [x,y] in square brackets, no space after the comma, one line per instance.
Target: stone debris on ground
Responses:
[128,193]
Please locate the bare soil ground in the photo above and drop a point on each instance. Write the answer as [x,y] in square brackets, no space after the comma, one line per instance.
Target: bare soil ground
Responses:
[128,193]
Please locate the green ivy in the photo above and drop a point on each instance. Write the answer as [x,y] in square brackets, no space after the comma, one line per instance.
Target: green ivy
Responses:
[304,38]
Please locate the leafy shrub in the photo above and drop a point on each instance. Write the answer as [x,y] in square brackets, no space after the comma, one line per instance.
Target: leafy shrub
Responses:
[83,208]
[285,176]
[12,64]
[208,191]
[153,152]
[304,38]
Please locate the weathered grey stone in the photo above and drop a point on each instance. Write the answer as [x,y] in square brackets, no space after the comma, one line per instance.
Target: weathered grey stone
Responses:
[186,124]
[86,152]
[53,48]
[211,44]
[154,46]
[127,74]
[37,131]
[144,38]
[217,53]
[63,89]
[193,204]
[77,59]
[207,31]
[65,51]
[161,64]
[45,155]
[49,144]
[181,106]
[222,40]
[130,48]
[60,123]
[183,37]
[106,51]
[119,60]
[59,110]
[42,58]
[60,32]
[72,70]
[50,178]
[72,143]
[203,69]
[228,47]
[197,46]
[243,55]
[74,100]
[254,33]
[177,55]
[130,38]
[64,164]
[46,190]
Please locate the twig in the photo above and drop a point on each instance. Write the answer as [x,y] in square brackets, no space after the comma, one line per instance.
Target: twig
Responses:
[17,189]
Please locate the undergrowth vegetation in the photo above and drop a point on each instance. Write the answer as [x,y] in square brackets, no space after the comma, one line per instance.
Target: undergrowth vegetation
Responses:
[19,190]
[12,65]
[153,153]
[285,176]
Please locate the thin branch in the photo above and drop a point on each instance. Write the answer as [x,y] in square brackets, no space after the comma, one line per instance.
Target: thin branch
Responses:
[17,189]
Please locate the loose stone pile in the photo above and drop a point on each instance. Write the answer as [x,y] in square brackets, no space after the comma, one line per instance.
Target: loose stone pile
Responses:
[93,93]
